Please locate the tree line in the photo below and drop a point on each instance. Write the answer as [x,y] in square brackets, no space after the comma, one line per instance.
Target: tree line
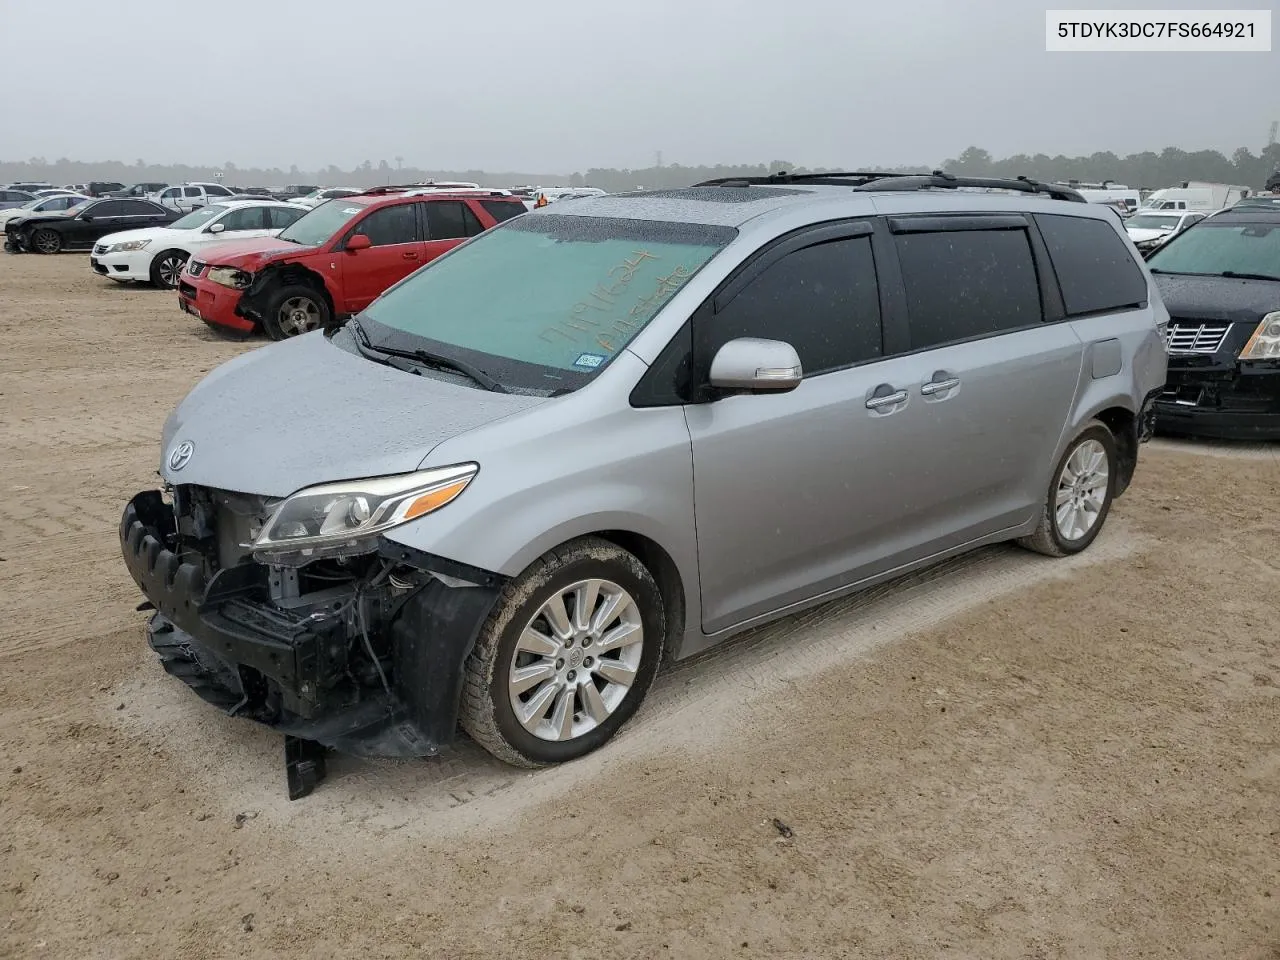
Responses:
[1148,169]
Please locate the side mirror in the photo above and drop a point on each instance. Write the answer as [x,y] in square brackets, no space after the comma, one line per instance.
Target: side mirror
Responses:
[756,366]
[217,228]
[358,242]
[87,217]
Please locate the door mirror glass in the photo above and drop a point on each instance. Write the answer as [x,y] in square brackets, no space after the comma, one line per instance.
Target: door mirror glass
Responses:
[358,242]
[217,228]
[756,366]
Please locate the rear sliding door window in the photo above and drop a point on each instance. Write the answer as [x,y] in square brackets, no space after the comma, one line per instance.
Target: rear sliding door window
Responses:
[962,284]
[1095,269]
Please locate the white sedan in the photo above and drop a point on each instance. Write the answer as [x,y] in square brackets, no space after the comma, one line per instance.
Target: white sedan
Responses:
[56,203]
[158,254]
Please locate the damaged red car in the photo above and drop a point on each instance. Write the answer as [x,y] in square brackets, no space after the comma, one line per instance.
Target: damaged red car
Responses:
[334,261]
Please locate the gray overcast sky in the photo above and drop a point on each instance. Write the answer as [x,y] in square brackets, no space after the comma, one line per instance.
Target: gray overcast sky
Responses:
[564,85]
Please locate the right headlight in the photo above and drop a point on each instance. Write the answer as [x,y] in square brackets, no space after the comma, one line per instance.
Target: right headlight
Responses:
[345,518]
[231,277]
[1265,342]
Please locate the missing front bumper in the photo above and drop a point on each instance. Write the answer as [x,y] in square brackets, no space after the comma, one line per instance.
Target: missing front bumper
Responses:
[237,650]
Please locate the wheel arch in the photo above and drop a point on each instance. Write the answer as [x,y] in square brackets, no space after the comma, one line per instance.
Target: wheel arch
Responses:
[285,274]
[1123,424]
[665,574]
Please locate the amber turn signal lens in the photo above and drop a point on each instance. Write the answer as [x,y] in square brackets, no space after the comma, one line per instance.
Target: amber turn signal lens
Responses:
[435,499]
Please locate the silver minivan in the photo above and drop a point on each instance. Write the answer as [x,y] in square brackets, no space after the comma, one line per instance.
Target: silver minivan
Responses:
[622,429]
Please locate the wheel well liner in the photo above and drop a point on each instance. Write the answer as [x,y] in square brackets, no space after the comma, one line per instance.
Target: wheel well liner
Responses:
[253,301]
[665,573]
[1123,425]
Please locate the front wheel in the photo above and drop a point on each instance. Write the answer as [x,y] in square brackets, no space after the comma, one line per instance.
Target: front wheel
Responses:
[566,657]
[294,310]
[46,241]
[1080,495]
[166,268]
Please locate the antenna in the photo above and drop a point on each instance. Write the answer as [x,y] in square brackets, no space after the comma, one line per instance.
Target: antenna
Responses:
[1271,134]
[658,155]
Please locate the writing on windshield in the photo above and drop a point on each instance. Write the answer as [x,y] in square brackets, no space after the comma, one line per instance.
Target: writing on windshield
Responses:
[602,316]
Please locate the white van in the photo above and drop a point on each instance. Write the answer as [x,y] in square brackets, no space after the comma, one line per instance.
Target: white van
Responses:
[1196,195]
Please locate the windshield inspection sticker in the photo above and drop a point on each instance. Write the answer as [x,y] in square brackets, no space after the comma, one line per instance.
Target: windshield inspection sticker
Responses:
[589,360]
[350,209]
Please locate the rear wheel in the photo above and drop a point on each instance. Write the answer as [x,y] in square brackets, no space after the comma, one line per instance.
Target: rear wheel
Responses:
[166,268]
[1080,495]
[46,241]
[566,657]
[294,310]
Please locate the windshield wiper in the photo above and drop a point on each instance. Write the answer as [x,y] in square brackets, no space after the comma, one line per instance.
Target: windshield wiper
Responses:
[422,357]
[1232,275]
[429,359]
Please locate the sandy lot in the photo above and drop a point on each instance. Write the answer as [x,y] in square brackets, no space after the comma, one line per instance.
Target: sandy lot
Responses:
[1009,757]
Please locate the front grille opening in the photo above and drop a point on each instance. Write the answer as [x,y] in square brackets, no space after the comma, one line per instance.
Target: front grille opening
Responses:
[1190,336]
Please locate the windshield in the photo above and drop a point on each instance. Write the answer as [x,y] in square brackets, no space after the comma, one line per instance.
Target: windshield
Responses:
[543,303]
[199,217]
[1213,249]
[1152,221]
[314,228]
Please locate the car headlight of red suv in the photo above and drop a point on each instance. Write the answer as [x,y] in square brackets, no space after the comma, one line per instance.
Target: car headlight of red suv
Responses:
[230,277]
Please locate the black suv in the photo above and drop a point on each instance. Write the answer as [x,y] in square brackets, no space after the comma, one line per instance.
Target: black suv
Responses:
[1221,283]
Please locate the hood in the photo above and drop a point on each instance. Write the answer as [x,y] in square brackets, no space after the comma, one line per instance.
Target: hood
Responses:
[1143,234]
[253,254]
[305,411]
[160,234]
[30,218]
[1218,298]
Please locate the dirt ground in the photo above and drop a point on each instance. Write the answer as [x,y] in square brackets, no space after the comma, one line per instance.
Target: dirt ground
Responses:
[1008,757]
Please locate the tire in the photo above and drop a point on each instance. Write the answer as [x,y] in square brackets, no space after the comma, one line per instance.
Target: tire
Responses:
[46,241]
[1091,495]
[166,266]
[283,316]
[488,713]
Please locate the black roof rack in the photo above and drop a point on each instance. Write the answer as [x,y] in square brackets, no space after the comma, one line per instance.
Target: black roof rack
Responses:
[427,188]
[904,181]
[828,179]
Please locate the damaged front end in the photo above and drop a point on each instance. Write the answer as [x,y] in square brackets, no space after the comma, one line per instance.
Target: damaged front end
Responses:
[15,241]
[1219,385]
[358,649]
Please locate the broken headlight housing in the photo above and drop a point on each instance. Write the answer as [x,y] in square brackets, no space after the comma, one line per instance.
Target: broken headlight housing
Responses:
[1265,342]
[230,277]
[344,519]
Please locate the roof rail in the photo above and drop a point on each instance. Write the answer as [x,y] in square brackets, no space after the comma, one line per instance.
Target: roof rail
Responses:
[946,181]
[902,181]
[829,179]
[427,189]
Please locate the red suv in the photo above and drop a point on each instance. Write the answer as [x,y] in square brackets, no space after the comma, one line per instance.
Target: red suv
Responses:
[334,261]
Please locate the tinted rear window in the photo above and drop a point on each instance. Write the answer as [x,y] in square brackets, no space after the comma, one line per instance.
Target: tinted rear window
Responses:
[1095,269]
[963,284]
[502,210]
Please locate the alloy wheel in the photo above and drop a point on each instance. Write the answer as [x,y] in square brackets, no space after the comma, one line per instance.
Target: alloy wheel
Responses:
[170,269]
[1082,490]
[298,315]
[576,660]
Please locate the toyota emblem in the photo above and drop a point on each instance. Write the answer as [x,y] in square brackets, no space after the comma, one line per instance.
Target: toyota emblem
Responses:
[181,455]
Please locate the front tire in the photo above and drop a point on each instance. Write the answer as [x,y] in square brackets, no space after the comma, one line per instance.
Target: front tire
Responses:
[1080,495]
[295,310]
[166,268]
[566,657]
[46,241]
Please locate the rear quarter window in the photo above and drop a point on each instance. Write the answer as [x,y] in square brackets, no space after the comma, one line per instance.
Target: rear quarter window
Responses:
[502,210]
[1095,269]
